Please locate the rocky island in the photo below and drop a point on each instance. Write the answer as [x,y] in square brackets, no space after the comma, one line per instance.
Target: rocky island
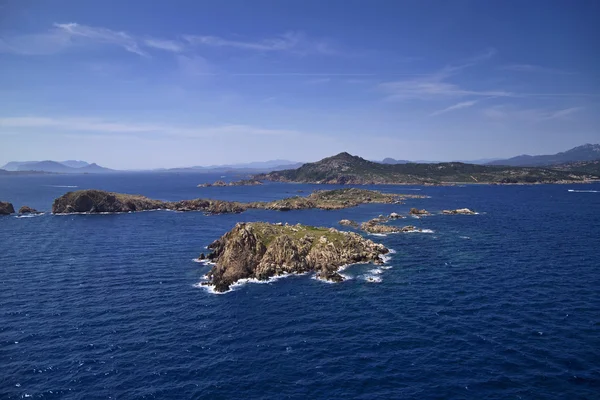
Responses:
[98,201]
[261,250]
[25,210]
[6,208]
[243,182]
[346,169]
[460,211]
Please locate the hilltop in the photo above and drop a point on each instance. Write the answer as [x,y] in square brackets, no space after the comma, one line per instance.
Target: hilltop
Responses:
[345,168]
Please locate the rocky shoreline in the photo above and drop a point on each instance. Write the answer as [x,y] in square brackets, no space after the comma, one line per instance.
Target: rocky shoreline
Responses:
[98,201]
[261,251]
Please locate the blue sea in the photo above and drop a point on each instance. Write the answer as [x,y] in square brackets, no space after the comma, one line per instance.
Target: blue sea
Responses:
[500,305]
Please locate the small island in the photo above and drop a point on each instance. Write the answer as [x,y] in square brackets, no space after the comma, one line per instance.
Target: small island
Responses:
[243,182]
[26,210]
[261,250]
[99,201]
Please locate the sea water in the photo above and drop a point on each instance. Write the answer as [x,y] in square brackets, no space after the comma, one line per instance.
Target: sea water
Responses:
[504,304]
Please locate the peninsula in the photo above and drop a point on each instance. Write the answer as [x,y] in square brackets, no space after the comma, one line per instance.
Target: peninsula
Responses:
[261,250]
[345,168]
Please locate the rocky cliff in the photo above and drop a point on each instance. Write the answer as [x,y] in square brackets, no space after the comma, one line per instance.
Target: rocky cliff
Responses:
[6,208]
[261,250]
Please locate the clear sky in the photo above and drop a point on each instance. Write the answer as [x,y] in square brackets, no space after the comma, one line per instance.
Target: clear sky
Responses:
[143,84]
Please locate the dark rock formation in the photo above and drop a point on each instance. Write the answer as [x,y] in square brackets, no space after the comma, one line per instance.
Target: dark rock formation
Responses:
[28,210]
[462,211]
[260,250]
[6,208]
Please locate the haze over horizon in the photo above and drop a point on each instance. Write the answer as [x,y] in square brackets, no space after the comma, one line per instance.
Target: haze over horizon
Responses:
[140,85]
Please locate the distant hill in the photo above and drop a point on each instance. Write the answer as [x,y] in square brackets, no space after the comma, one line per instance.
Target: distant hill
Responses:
[389,160]
[270,165]
[587,152]
[66,167]
[345,168]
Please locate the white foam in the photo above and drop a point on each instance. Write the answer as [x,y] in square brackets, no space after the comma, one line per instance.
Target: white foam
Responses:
[464,237]
[376,271]
[583,191]
[372,278]
[242,282]
[62,186]
[421,231]
[29,215]
[203,261]
[378,234]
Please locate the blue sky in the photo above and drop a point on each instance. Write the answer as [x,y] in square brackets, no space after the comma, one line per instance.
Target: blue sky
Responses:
[140,84]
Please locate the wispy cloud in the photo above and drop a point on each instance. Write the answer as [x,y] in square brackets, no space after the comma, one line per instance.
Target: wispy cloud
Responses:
[457,106]
[533,69]
[62,36]
[294,42]
[507,112]
[101,126]
[166,45]
[436,85]
[103,35]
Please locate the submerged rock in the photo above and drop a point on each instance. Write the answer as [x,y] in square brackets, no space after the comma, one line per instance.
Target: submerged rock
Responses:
[462,211]
[6,208]
[261,250]
[28,210]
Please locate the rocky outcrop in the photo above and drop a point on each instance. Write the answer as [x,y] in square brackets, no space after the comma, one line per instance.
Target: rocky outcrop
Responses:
[395,216]
[416,211]
[348,222]
[6,208]
[261,250]
[28,210]
[459,211]
[246,182]
[208,206]
[243,182]
[98,201]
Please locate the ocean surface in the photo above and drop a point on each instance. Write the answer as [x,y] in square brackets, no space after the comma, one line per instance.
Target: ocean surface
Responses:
[500,305]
